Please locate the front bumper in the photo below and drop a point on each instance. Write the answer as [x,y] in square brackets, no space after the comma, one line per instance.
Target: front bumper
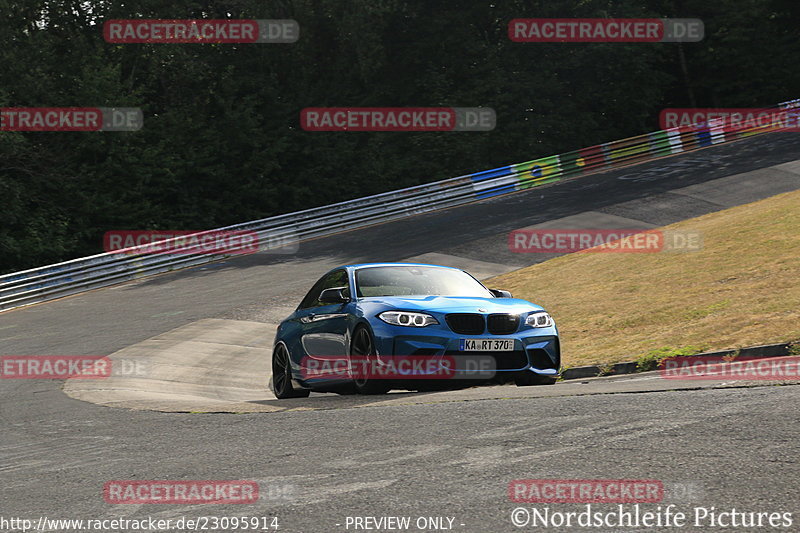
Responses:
[535,349]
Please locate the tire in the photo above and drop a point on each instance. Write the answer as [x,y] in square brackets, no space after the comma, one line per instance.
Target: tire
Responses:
[281,382]
[526,378]
[363,346]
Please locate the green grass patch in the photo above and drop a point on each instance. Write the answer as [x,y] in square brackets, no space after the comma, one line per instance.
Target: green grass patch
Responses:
[653,358]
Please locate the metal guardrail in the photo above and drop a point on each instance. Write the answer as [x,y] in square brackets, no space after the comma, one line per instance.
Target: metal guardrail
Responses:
[102,270]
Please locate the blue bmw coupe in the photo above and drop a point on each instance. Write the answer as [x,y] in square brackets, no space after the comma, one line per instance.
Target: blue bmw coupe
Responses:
[373,315]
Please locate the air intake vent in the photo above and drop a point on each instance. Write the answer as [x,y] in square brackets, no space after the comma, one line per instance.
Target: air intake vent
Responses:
[540,359]
[503,324]
[466,323]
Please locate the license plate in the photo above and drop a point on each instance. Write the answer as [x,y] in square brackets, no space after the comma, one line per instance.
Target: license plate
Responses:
[486,345]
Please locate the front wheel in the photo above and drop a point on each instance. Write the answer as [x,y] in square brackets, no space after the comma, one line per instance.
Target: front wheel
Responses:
[281,382]
[363,348]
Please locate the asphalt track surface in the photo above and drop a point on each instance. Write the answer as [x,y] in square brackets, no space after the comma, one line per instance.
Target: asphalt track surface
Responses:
[720,447]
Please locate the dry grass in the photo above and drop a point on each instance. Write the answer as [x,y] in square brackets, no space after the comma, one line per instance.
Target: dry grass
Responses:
[741,289]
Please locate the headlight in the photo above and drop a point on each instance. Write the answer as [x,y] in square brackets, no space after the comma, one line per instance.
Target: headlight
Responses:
[539,319]
[407,318]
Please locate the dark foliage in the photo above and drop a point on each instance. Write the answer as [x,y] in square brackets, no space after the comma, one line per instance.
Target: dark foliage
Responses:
[222,144]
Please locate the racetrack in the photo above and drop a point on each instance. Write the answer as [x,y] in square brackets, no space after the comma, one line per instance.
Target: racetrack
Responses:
[418,454]
[722,448]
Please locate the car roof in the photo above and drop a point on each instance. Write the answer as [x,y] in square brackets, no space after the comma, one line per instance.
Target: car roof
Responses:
[369,265]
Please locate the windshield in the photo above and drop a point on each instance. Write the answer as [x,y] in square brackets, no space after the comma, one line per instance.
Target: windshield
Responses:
[417,281]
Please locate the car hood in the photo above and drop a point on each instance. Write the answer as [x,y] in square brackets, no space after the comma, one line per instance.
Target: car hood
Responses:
[452,304]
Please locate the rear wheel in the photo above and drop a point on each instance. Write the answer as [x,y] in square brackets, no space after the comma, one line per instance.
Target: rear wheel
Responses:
[282,375]
[363,348]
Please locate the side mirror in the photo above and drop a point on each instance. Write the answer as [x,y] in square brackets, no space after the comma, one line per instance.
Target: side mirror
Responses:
[333,296]
[500,293]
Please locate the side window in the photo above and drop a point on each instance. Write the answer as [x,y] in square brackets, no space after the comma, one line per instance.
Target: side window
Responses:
[337,278]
